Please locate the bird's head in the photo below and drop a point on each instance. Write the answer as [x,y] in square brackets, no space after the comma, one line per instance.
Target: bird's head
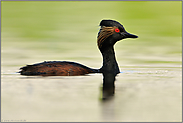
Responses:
[110,32]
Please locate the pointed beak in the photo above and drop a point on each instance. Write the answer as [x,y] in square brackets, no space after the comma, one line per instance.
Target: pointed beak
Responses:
[128,35]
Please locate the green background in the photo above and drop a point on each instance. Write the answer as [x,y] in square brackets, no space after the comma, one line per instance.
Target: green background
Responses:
[34,31]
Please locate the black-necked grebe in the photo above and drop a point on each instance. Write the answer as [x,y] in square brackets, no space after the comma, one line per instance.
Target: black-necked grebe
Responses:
[110,32]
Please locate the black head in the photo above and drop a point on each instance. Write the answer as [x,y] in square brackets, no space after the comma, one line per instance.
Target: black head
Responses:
[110,32]
[110,23]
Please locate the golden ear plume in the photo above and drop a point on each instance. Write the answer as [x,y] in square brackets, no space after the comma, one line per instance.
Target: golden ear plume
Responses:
[104,33]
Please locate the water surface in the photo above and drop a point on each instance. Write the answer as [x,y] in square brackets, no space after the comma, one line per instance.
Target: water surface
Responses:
[141,94]
[148,88]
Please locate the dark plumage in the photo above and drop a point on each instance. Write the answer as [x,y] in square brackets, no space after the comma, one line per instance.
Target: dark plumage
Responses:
[110,32]
[56,68]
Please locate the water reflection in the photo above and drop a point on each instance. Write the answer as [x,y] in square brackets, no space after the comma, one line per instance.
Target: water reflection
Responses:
[108,89]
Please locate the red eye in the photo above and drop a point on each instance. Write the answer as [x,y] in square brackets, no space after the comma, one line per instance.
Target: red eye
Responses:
[116,30]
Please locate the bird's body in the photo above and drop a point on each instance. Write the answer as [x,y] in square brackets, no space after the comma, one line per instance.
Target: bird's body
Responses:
[111,31]
[57,68]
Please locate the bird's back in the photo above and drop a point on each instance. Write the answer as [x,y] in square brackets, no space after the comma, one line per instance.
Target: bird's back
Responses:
[56,68]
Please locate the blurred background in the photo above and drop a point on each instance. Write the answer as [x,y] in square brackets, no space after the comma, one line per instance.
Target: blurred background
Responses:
[35,31]
[148,89]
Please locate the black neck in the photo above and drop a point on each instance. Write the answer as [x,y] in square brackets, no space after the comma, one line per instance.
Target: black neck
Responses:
[109,61]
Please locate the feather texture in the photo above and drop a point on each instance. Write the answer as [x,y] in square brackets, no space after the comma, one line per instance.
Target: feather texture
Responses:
[104,33]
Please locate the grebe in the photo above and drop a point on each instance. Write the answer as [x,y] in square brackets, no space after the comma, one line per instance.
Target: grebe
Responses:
[110,32]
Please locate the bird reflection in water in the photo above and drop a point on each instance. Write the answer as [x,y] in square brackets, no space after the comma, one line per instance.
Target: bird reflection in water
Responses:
[108,89]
